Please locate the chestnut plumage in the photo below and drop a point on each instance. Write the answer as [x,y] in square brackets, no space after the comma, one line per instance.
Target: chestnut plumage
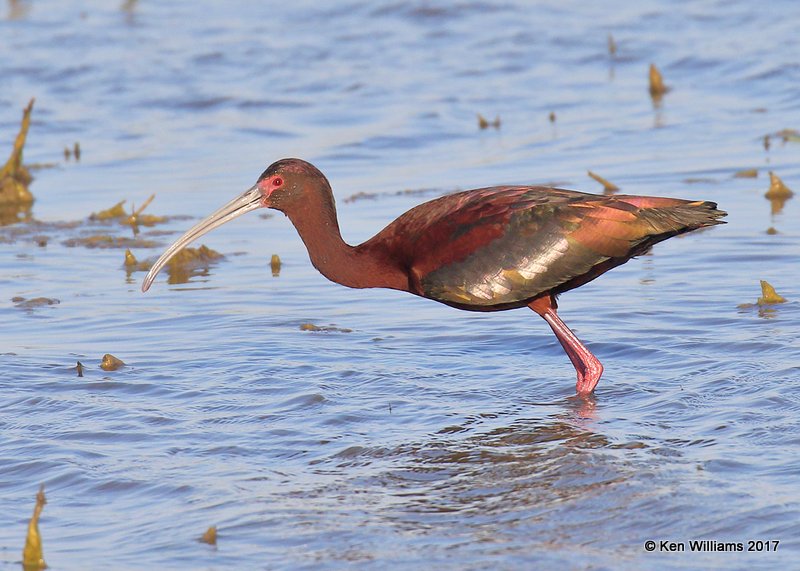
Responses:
[486,249]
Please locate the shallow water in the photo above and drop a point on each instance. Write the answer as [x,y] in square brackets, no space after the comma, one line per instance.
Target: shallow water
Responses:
[425,436]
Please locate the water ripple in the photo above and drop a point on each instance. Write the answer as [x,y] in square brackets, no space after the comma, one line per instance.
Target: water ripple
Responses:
[425,437]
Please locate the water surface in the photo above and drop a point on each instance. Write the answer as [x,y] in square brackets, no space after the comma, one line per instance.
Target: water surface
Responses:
[425,436]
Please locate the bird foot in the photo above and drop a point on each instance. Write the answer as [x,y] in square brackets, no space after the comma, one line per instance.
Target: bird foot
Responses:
[589,373]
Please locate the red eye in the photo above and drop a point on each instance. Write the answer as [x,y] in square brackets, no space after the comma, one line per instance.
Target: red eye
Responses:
[277,181]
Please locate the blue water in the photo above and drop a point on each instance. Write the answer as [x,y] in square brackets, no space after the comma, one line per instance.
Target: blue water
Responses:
[425,437]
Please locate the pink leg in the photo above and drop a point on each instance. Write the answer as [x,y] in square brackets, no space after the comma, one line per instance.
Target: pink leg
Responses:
[587,366]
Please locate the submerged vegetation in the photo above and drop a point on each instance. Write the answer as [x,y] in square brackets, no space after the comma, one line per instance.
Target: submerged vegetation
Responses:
[324,328]
[181,267]
[15,198]
[134,219]
[113,213]
[33,303]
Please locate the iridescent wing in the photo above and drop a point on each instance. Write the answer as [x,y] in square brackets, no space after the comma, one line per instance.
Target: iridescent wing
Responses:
[502,246]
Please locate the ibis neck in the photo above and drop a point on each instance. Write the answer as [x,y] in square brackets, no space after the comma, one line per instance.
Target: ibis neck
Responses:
[363,266]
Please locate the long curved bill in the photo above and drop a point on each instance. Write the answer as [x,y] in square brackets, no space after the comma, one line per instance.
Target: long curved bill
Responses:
[248,201]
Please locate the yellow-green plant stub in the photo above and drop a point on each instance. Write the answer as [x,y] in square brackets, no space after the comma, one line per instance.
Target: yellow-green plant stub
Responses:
[768,295]
[32,553]
[111,363]
[657,87]
[777,188]
[275,265]
[608,186]
[210,536]
[777,194]
[130,259]
[14,177]
[133,265]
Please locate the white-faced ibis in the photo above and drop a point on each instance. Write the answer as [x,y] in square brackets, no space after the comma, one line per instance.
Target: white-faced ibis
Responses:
[486,249]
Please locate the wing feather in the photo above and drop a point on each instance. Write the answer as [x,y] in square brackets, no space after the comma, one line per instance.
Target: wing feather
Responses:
[501,247]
